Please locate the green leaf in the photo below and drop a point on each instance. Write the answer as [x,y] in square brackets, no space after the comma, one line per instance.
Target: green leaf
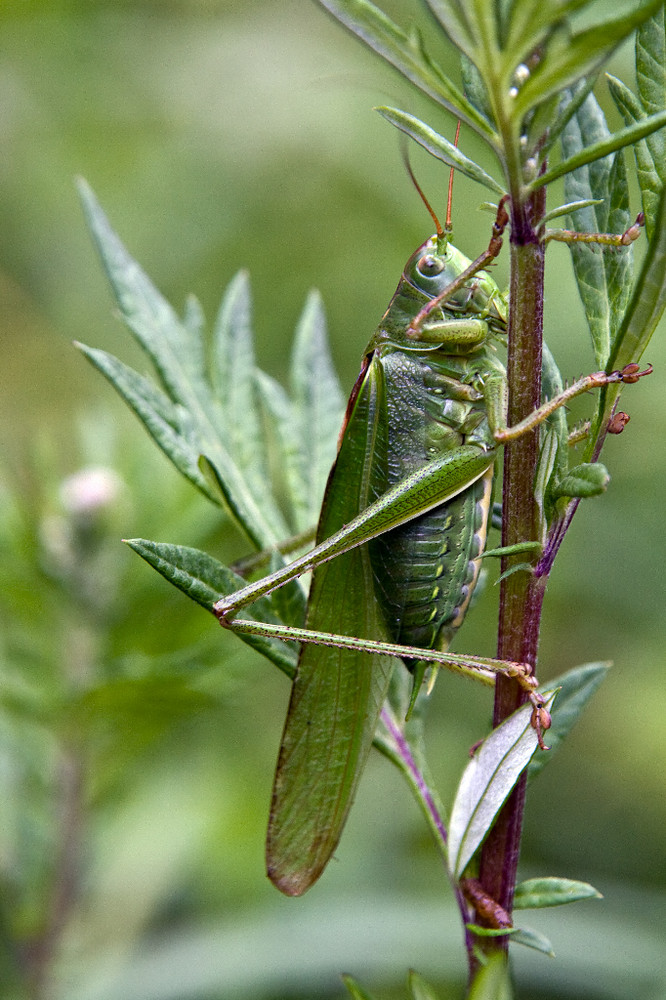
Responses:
[569,208]
[535,893]
[569,103]
[204,579]
[575,688]
[575,57]
[458,22]
[651,63]
[156,411]
[187,418]
[646,307]
[407,55]
[604,278]
[520,935]
[419,989]
[618,140]
[356,990]
[590,479]
[439,147]
[474,88]
[649,169]
[233,384]
[318,410]
[533,939]
[174,349]
[486,783]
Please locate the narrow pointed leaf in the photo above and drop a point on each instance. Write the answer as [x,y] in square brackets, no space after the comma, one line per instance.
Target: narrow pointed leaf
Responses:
[536,893]
[647,303]
[518,935]
[173,348]
[569,103]
[356,990]
[233,378]
[604,278]
[406,54]
[649,152]
[156,411]
[419,988]
[439,147]
[485,785]
[569,207]
[474,88]
[651,63]
[318,407]
[533,939]
[575,688]
[203,579]
[194,323]
[618,140]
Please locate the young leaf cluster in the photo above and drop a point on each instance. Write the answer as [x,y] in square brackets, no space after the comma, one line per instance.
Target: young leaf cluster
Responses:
[227,426]
[518,59]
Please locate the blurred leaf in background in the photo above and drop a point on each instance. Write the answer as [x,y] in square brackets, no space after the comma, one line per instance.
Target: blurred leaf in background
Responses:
[133,734]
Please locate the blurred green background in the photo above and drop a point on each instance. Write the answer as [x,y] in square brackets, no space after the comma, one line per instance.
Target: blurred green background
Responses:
[137,743]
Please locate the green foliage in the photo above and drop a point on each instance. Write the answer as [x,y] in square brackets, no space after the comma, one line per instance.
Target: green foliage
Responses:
[261,455]
[221,420]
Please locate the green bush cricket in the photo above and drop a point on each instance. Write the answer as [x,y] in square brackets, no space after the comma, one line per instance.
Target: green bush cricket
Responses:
[400,538]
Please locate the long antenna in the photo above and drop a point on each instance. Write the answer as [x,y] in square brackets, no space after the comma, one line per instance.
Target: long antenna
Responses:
[408,167]
[449,202]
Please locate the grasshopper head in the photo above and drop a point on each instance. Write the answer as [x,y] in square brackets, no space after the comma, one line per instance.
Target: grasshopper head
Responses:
[430,271]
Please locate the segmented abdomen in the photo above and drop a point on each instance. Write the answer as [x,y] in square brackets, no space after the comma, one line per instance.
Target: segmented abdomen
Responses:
[425,571]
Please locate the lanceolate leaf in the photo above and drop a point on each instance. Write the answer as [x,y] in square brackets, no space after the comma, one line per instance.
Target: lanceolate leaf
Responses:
[233,383]
[485,785]
[650,152]
[604,278]
[419,989]
[647,168]
[439,147]
[318,408]
[203,579]
[355,989]
[158,414]
[492,982]
[647,304]
[213,410]
[651,63]
[172,347]
[618,140]
[518,935]
[536,893]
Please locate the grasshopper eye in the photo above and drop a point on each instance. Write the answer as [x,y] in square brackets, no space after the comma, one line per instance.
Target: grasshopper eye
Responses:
[429,265]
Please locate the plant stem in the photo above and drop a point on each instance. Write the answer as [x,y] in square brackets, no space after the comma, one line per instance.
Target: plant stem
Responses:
[522,593]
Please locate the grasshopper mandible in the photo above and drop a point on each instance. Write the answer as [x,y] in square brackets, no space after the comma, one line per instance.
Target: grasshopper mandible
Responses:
[400,538]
